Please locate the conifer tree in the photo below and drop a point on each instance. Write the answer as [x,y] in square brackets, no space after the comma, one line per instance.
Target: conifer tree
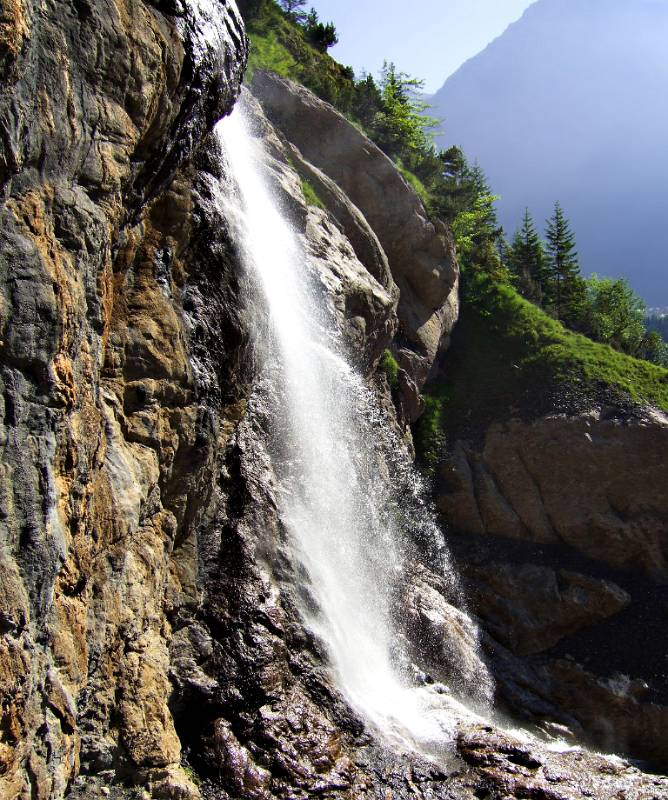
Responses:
[322,35]
[527,259]
[566,290]
[293,7]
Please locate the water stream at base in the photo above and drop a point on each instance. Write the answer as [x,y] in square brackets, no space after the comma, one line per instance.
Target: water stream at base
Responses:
[349,527]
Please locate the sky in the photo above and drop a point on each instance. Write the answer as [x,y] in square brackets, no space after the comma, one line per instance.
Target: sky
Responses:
[430,42]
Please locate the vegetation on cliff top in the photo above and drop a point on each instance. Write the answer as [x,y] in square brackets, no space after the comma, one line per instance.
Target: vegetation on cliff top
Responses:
[280,44]
[508,357]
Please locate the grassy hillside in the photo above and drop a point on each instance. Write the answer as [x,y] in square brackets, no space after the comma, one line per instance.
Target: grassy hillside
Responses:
[508,357]
[280,45]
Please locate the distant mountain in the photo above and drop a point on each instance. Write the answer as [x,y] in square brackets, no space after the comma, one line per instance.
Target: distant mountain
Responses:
[571,104]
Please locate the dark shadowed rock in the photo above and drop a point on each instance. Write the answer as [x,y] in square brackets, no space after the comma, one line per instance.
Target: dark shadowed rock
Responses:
[530,608]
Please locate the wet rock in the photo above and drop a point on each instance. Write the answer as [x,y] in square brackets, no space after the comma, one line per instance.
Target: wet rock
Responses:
[614,712]
[443,639]
[101,103]
[510,768]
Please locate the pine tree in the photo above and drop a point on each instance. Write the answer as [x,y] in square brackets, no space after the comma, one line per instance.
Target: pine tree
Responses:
[322,35]
[566,290]
[295,8]
[527,260]
[403,130]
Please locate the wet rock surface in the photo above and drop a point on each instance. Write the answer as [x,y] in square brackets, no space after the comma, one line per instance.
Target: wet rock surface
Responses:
[103,421]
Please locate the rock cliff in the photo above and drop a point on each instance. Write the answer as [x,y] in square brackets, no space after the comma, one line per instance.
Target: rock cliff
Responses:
[560,524]
[103,472]
[151,643]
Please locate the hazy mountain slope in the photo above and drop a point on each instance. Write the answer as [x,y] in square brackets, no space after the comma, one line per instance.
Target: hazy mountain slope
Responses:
[570,104]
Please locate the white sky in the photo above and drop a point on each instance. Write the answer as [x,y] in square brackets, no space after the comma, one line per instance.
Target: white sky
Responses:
[429,39]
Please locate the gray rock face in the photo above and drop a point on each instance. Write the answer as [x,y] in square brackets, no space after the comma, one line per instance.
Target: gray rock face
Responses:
[100,104]
[420,253]
[590,481]
[561,531]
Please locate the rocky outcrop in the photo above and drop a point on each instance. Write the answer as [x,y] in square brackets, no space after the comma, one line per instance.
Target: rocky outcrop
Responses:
[561,528]
[420,252]
[100,105]
[442,638]
[590,481]
[361,293]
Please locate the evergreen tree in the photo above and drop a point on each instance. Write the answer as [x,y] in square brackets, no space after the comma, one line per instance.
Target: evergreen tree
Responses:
[294,7]
[527,260]
[403,129]
[367,101]
[449,184]
[653,348]
[322,35]
[475,226]
[566,291]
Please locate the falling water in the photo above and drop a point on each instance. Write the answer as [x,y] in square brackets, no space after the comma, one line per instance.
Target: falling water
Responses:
[346,525]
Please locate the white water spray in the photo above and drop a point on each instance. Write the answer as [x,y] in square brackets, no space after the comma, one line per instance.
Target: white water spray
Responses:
[346,527]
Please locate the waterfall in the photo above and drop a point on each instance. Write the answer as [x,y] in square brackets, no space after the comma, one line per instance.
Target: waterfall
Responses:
[349,531]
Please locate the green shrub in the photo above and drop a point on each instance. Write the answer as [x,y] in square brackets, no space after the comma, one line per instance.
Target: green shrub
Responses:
[390,366]
[311,195]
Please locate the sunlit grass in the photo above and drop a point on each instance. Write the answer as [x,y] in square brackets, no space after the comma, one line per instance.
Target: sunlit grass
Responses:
[508,356]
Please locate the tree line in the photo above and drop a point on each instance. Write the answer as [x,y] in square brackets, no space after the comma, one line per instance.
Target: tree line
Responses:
[607,310]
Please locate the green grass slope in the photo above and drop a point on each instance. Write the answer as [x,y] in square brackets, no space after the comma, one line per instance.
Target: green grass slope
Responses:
[280,45]
[509,358]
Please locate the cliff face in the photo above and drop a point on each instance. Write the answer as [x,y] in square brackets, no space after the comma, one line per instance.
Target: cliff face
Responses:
[560,524]
[101,105]
[151,642]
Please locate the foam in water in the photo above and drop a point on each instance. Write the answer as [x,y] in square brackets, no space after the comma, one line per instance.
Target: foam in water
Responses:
[346,524]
